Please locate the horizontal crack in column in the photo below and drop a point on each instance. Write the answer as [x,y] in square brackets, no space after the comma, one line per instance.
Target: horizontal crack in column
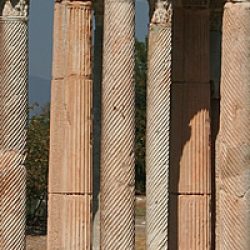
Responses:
[57,193]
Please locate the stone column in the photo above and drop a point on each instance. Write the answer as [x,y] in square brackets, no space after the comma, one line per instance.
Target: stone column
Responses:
[98,48]
[117,150]
[190,156]
[158,125]
[13,122]
[70,173]
[234,164]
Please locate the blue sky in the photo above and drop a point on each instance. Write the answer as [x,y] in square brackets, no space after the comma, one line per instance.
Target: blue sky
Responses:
[40,44]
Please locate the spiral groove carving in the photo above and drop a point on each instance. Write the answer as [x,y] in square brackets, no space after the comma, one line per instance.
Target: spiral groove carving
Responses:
[117,149]
[13,119]
[234,173]
[158,126]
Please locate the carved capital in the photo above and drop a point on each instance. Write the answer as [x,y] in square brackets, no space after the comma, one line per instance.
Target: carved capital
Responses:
[14,8]
[163,13]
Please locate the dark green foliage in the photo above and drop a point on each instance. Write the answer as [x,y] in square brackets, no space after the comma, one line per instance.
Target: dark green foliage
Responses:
[37,170]
[140,117]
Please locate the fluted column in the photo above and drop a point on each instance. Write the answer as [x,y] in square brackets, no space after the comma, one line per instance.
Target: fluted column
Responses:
[234,161]
[70,172]
[158,125]
[98,48]
[13,122]
[190,155]
[117,150]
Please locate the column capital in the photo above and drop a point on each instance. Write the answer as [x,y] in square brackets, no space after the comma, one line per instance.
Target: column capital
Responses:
[163,13]
[10,8]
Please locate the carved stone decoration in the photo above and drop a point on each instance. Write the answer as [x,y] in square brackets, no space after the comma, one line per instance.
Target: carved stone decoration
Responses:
[14,8]
[163,13]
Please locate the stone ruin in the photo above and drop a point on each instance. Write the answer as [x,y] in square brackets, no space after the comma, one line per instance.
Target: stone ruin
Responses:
[198,116]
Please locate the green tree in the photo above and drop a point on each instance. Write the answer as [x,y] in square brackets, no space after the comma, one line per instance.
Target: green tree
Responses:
[37,167]
[140,115]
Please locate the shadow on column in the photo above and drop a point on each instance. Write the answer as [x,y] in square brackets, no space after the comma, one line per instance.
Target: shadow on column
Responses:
[192,103]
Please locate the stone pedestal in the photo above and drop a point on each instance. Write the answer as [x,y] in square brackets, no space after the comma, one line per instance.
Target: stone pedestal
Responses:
[234,161]
[70,172]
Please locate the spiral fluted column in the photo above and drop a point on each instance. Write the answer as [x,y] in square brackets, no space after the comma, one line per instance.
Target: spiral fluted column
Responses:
[234,143]
[117,150]
[70,172]
[158,125]
[13,122]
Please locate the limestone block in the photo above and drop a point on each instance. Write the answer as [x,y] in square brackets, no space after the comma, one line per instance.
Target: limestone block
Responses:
[69,223]
[192,218]
[71,141]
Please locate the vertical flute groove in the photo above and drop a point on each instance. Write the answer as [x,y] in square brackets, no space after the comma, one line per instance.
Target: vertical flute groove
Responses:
[190,164]
[70,175]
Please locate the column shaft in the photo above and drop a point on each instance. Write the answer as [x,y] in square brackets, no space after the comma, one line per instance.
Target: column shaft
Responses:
[158,126]
[117,150]
[234,161]
[70,173]
[13,123]
[190,157]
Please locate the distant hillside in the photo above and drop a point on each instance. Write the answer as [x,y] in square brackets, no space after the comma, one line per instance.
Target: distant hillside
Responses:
[39,90]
